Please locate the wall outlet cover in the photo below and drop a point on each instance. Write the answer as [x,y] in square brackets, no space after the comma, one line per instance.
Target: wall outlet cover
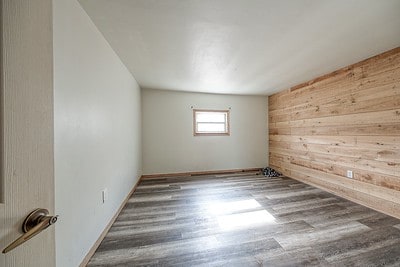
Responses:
[349,174]
[104,195]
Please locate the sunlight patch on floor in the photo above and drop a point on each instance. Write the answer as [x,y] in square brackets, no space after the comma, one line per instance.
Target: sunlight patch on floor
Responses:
[246,219]
[233,206]
[239,214]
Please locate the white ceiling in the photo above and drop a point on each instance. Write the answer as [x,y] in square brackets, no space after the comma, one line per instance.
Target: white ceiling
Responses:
[243,46]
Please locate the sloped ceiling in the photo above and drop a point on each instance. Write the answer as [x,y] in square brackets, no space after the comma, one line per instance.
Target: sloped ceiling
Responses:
[242,46]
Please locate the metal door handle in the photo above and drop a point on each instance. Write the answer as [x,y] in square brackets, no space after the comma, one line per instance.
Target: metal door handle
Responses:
[35,222]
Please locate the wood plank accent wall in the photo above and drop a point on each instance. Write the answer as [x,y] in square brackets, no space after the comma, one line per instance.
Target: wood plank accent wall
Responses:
[346,120]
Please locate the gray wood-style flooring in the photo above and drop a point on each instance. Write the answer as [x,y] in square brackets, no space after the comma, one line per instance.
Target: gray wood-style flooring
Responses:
[245,220]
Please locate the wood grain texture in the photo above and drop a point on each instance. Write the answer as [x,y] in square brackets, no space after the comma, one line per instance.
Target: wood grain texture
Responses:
[346,120]
[182,221]
[28,137]
[150,176]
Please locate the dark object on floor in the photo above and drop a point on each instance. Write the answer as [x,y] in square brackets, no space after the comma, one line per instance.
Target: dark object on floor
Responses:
[269,172]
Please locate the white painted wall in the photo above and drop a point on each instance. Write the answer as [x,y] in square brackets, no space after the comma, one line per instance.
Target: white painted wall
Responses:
[167,133]
[97,131]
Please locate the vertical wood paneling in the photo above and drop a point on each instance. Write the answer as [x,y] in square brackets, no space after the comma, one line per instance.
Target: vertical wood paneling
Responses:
[346,120]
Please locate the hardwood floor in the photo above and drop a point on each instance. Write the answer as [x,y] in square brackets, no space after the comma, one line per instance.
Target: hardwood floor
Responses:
[245,220]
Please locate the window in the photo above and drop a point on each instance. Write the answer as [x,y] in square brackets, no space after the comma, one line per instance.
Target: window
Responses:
[211,122]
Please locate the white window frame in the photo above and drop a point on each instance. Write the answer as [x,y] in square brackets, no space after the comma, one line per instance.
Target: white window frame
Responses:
[210,133]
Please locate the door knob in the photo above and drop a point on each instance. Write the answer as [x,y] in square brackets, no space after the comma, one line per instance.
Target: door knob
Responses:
[34,223]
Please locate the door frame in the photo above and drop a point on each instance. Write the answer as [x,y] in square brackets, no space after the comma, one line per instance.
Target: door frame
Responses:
[2,182]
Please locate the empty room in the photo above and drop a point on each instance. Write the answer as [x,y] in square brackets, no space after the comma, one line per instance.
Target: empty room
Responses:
[199,133]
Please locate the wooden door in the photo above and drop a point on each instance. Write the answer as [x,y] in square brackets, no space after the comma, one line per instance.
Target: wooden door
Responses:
[27,174]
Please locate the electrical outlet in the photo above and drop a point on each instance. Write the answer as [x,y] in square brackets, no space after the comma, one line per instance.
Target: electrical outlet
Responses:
[350,174]
[104,195]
